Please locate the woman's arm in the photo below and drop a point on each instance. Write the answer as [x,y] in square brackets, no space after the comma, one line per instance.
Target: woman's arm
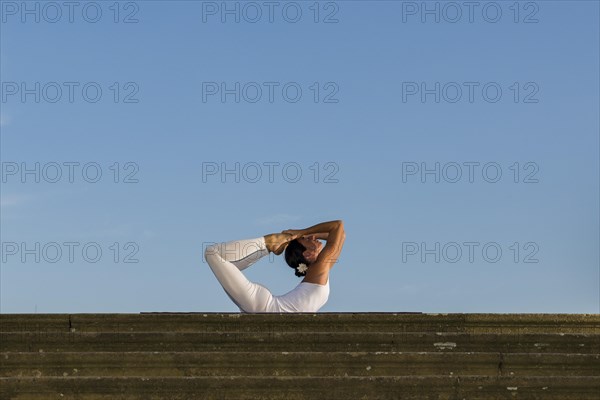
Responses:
[322,235]
[321,231]
[331,252]
[296,233]
[323,227]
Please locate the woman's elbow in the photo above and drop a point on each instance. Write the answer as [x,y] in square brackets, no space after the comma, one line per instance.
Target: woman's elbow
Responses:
[341,226]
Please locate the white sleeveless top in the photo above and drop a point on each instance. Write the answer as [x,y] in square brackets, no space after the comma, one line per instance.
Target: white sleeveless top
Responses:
[306,297]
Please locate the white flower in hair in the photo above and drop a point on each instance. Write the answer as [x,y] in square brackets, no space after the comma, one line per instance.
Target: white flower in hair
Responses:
[302,267]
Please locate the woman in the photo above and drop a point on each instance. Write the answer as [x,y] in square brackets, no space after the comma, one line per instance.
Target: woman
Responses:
[303,252]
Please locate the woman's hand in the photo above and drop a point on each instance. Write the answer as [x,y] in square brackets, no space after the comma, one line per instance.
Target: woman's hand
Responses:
[277,242]
[295,233]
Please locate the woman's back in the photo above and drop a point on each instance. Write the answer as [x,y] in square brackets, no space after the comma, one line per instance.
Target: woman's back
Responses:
[305,297]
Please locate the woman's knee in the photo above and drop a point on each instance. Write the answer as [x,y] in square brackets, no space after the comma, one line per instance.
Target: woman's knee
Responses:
[211,250]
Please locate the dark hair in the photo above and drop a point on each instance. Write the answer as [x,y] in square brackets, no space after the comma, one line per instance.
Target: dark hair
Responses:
[294,257]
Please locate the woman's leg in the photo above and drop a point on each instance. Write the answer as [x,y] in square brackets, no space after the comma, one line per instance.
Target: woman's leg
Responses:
[227,260]
[244,253]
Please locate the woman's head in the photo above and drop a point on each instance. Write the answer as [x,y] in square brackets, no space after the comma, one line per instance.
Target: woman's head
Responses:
[302,250]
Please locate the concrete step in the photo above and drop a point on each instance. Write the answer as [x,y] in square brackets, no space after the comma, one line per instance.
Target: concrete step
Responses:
[303,322]
[299,341]
[299,356]
[330,388]
[294,364]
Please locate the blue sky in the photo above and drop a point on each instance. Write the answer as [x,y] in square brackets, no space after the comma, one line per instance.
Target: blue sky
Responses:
[363,134]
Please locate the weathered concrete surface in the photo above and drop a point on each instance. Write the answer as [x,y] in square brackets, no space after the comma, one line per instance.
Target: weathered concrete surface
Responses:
[299,356]
[303,322]
[342,388]
[296,364]
[302,341]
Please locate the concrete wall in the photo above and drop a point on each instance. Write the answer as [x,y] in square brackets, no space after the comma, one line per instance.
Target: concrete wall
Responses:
[299,356]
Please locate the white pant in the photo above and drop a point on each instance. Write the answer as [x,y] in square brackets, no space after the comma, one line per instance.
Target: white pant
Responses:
[227,260]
